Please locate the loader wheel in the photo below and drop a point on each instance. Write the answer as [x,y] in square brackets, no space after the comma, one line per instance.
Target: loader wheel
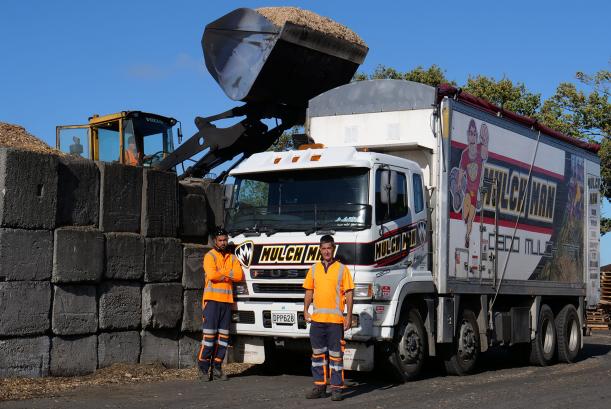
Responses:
[462,358]
[543,347]
[569,334]
[409,350]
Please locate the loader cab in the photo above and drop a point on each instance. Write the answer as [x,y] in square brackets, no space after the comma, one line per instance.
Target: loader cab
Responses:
[130,137]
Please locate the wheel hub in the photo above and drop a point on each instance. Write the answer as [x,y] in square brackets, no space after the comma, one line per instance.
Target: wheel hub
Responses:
[410,345]
[467,342]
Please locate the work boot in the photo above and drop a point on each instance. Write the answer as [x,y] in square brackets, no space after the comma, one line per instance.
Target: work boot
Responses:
[336,394]
[204,376]
[317,392]
[218,375]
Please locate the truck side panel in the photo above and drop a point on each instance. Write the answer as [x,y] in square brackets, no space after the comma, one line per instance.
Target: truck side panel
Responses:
[517,208]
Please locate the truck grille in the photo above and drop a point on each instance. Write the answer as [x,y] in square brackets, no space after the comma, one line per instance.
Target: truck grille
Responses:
[278,274]
[277,288]
[243,317]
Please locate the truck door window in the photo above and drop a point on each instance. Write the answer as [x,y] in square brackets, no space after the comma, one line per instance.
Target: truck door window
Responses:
[418,193]
[396,210]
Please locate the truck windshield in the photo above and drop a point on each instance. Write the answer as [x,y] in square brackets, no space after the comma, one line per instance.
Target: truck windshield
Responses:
[304,200]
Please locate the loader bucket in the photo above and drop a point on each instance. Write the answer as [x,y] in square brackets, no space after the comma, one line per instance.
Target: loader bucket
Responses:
[255,61]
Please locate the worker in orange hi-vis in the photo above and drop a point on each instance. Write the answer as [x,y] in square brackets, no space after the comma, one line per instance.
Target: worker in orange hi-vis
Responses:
[329,289]
[131,152]
[221,270]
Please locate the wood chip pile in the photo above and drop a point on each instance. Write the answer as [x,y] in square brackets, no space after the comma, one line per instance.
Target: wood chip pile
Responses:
[280,15]
[15,136]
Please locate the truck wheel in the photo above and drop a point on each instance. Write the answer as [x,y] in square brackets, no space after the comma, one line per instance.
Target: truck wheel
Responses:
[410,346]
[569,334]
[466,349]
[543,347]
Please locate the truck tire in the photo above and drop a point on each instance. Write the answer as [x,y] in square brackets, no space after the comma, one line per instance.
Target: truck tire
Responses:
[569,334]
[464,353]
[543,347]
[409,350]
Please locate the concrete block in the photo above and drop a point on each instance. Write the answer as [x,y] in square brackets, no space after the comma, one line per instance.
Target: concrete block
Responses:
[78,199]
[124,256]
[161,305]
[118,347]
[159,346]
[192,311]
[193,209]
[25,255]
[120,197]
[163,260]
[75,310]
[24,308]
[119,305]
[78,255]
[24,357]
[193,266]
[188,348]
[215,203]
[28,189]
[72,356]
[159,204]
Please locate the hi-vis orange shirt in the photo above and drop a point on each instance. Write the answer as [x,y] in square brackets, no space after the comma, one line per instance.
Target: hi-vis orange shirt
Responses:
[329,287]
[221,271]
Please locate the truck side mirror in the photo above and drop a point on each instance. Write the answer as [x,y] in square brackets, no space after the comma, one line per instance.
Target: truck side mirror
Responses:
[389,180]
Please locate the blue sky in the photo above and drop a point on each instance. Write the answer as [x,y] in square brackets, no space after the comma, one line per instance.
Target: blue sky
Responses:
[62,61]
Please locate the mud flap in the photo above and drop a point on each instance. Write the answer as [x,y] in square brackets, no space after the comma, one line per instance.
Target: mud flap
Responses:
[358,357]
[248,350]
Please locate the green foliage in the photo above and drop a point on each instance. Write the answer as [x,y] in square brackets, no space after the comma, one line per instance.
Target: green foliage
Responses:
[433,75]
[504,93]
[285,141]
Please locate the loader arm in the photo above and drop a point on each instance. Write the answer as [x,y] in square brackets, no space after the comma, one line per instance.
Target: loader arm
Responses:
[246,137]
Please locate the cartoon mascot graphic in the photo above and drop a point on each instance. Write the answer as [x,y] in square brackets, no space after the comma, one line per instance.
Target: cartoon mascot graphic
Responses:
[465,180]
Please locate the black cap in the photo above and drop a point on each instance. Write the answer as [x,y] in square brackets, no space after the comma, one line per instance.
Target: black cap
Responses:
[219,231]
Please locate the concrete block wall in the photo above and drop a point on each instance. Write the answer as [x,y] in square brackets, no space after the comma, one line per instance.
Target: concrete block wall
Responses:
[99,264]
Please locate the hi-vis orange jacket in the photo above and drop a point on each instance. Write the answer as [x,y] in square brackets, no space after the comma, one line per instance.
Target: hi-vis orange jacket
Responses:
[221,271]
[329,287]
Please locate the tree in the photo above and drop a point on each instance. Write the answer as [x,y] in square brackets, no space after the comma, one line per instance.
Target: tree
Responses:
[433,75]
[504,93]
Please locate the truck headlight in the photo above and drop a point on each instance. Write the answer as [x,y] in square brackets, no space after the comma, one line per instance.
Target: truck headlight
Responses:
[241,288]
[363,290]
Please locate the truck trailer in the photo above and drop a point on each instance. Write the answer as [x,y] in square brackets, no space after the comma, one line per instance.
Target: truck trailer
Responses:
[465,227]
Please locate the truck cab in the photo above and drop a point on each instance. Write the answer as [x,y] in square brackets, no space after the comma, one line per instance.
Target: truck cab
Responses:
[129,137]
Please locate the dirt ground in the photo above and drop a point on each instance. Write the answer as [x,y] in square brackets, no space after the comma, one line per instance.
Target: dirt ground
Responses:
[26,388]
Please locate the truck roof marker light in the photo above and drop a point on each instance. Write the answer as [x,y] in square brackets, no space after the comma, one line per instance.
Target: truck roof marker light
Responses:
[364,149]
[310,146]
[315,158]
[278,159]
[295,159]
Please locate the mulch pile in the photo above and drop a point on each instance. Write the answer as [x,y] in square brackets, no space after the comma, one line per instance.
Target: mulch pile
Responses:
[15,136]
[295,15]
[28,388]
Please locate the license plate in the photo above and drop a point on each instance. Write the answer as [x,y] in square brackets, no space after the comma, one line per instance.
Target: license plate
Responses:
[284,318]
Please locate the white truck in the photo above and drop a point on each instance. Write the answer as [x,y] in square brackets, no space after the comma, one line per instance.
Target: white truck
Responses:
[465,226]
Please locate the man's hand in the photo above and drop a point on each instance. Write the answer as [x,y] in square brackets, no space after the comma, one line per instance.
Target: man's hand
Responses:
[306,316]
[347,322]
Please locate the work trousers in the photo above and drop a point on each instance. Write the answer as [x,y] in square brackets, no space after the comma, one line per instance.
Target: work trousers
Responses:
[327,353]
[216,317]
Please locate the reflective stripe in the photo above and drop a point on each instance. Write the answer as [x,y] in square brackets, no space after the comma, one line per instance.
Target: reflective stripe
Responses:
[321,363]
[336,367]
[329,311]
[217,359]
[210,331]
[223,343]
[335,354]
[208,343]
[217,291]
[340,276]
[213,256]
[224,331]
[318,351]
